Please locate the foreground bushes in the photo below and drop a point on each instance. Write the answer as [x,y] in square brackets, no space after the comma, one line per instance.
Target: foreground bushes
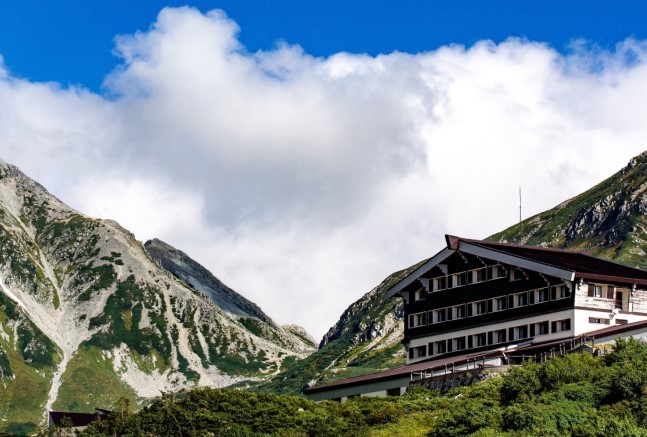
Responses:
[574,395]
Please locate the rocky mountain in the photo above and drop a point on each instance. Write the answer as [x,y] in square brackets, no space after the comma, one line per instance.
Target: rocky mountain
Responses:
[609,220]
[87,315]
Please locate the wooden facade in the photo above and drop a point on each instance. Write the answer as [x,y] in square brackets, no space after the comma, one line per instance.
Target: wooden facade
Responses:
[476,295]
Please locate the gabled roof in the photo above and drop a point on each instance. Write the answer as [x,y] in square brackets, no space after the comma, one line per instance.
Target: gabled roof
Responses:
[566,264]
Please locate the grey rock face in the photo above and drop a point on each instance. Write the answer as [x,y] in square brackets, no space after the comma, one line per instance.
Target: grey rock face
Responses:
[196,276]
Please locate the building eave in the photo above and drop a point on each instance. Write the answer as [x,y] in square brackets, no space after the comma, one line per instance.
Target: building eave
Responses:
[515,260]
[411,277]
[612,279]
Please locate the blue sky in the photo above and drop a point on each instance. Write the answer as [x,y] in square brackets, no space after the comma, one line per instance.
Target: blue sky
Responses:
[304,154]
[71,42]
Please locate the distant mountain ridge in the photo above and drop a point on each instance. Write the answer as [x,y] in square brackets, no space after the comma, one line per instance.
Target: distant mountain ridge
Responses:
[88,316]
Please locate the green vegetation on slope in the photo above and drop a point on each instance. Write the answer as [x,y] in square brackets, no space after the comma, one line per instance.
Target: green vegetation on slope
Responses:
[90,382]
[575,395]
[27,362]
[121,319]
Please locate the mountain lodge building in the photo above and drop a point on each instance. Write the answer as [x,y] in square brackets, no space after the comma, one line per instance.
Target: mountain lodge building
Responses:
[478,298]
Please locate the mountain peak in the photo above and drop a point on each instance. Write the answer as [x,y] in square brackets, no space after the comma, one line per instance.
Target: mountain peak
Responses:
[199,278]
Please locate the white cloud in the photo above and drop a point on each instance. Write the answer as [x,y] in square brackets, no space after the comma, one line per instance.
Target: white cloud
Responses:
[302,182]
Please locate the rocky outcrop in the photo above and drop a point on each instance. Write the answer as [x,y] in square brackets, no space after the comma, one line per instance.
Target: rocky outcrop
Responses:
[609,220]
[196,276]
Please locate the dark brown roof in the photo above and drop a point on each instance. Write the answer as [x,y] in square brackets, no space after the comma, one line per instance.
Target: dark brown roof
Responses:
[581,263]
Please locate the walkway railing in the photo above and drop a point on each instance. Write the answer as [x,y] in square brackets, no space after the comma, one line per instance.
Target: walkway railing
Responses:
[478,362]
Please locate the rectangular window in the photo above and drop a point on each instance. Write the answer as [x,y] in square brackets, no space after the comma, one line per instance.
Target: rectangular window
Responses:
[619,296]
[460,311]
[459,279]
[542,328]
[418,319]
[599,320]
[481,275]
[542,295]
[521,332]
[480,307]
[500,336]
[460,343]
[440,283]
[441,347]
[595,290]
[418,351]
[561,325]
[480,340]
[497,272]
[516,274]
[563,292]
[439,315]
[565,325]
[521,299]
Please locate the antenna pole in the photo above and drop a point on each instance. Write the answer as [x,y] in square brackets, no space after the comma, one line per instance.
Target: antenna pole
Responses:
[520,223]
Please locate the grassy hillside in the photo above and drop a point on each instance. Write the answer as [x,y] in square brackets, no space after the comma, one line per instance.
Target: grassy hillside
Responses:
[27,361]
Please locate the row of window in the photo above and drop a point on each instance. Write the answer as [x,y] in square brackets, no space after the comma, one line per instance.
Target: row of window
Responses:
[468,277]
[602,321]
[489,338]
[485,306]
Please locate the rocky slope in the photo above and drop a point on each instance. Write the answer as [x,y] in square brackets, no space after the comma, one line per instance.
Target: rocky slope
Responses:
[237,307]
[199,278]
[609,220]
[87,316]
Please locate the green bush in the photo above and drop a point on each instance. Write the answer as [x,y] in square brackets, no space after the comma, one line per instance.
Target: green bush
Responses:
[521,384]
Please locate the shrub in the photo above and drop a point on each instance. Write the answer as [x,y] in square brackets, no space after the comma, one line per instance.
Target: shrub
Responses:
[521,383]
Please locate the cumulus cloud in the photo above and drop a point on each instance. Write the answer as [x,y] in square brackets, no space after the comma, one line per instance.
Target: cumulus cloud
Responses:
[301,181]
